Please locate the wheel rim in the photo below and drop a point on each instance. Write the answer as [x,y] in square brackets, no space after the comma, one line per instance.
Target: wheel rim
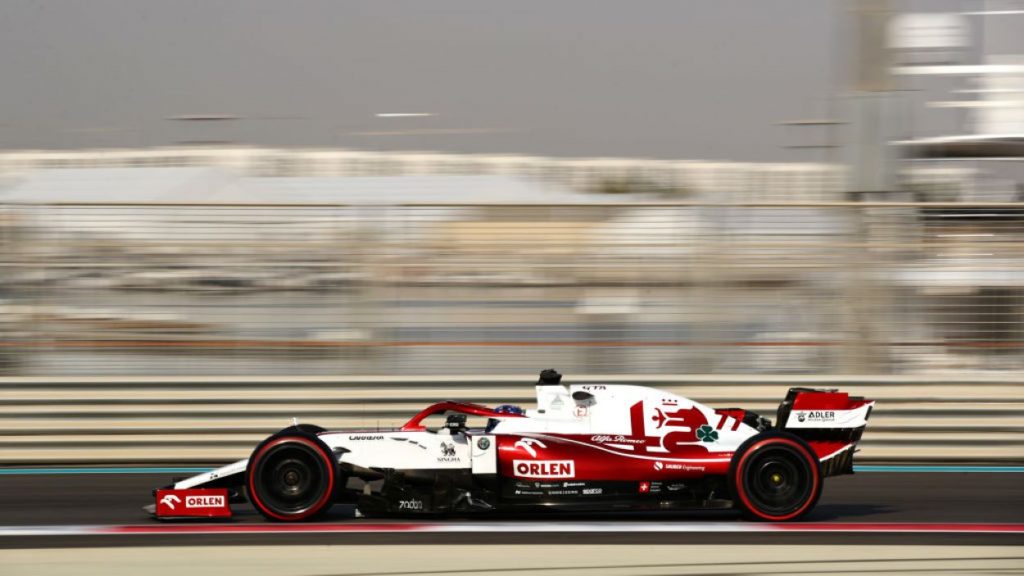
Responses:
[291,478]
[778,480]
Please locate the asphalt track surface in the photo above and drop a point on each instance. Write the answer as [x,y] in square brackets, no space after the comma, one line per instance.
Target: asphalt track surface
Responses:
[866,498]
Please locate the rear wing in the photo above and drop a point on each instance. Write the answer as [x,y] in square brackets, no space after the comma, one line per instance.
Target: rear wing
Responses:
[831,421]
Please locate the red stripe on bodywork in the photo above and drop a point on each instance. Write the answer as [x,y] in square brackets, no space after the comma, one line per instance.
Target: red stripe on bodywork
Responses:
[593,460]
[736,414]
[826,401]
[416,422]
[824,448]
[636,420]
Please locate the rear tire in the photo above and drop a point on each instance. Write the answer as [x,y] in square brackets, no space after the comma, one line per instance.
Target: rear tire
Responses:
[291,478]
[775,477]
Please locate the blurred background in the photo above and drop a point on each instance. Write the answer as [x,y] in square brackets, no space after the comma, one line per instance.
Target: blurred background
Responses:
[447,192]
[255,261]
[220,217]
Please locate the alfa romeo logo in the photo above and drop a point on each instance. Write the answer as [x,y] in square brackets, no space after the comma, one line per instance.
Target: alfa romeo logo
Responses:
[707,434]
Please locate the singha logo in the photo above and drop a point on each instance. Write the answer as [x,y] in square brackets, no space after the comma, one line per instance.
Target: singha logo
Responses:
[447,453]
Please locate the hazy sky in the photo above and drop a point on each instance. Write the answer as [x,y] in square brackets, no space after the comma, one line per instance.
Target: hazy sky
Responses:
[677,78]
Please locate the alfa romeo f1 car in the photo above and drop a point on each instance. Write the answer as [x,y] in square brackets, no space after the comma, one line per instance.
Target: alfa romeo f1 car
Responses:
[584,446]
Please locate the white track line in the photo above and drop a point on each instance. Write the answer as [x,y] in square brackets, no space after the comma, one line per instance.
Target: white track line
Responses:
[507,527]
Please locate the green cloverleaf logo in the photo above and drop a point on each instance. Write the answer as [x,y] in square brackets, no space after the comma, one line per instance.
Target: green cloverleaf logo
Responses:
[706,434]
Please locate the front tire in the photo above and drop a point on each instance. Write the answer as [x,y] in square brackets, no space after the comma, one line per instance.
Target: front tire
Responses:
[775,477]
[291,478]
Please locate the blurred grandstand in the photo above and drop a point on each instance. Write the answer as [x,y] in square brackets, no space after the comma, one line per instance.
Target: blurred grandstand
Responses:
[215,261]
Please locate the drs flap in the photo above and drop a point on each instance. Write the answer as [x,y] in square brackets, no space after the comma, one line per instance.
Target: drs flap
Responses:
[193,503]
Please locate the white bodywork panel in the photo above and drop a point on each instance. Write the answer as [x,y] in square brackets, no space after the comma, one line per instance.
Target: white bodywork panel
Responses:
[829,418]
[606,413]
[230,469]
[406,450]
[485,454]
[603,415]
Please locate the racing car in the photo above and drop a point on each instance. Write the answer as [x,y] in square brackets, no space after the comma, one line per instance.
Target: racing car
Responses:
[584,446]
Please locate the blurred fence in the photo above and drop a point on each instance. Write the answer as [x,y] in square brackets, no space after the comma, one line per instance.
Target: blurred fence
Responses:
[153,419]
[614,288]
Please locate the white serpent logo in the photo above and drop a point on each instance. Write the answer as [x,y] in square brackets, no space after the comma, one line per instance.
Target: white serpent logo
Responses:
[170,500]
[528,443]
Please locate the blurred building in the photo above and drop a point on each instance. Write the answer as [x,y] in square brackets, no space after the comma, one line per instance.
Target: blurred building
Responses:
[255,261]
[759,182]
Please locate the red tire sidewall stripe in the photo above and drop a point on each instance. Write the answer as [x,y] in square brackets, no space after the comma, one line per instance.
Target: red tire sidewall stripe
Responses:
[319,503]
[741,490]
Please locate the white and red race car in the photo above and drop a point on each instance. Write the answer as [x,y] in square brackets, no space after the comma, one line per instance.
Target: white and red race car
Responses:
[585,446]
